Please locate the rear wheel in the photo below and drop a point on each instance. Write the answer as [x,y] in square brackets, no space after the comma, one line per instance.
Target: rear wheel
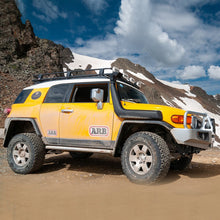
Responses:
[80,155]
[145,158]
[25,153]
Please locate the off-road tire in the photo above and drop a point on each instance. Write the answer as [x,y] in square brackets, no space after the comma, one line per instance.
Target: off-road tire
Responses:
[80,155]
[155,151]
[25,153]
[181,163]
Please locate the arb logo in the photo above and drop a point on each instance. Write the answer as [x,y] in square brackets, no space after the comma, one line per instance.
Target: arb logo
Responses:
[98,131]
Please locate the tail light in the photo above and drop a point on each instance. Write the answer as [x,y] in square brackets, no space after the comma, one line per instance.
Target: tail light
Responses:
[7,111]
[179,119]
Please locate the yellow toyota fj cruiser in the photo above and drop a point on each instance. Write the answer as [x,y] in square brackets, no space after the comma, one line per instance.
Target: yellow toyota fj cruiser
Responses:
[102,113]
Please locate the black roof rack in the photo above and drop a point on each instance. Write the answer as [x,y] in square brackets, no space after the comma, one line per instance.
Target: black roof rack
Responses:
[78,73]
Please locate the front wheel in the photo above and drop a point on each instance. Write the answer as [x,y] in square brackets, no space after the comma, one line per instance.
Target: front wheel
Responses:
[145,158]
[25,153]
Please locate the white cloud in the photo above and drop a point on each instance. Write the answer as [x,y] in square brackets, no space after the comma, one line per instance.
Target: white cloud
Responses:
[48,11]
[79,41]
[135,33]
[96,6]
[173,18]
[192,72]
[185,3]
[161,35]
[142,35]
[95,47]
[214,72]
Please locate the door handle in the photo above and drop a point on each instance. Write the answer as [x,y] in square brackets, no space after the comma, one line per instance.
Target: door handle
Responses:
[67,110]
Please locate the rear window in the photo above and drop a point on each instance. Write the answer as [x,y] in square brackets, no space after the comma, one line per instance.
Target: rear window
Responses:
[58,93]
[23,96]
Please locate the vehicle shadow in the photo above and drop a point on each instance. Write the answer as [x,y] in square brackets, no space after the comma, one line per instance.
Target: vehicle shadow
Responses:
[195,170]
[108,165]
[202,170]
[98,164]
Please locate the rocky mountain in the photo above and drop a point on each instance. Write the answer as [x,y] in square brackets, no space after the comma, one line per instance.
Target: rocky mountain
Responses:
[23,54]
[217,98]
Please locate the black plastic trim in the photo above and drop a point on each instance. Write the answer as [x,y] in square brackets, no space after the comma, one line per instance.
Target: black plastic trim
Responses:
[79,143]
[148,122]
[10,120]
[132,114]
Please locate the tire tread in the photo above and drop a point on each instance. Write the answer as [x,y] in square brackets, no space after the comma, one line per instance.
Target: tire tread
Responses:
[164,157]
[38,153]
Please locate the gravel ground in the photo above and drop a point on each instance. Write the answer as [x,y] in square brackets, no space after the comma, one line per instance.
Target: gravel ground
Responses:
[96,188]
[1,133]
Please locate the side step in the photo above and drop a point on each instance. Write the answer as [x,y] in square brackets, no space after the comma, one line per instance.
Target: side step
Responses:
[63,148]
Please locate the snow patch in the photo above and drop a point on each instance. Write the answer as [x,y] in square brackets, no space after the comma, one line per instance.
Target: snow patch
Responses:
[81,62]
[140,76]
[167,102]
[178,86]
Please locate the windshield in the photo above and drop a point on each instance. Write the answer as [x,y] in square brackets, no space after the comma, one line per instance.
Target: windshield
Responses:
[130,94]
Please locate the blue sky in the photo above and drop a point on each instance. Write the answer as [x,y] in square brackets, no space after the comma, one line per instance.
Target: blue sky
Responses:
[176,40]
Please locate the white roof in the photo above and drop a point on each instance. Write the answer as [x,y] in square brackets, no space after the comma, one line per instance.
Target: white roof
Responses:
[65,81]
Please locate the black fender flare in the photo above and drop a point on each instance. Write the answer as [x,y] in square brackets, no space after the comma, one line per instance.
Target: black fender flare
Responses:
[163,124]
[9,126]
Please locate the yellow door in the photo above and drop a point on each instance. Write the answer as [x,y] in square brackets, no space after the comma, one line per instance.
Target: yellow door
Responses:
[81,122]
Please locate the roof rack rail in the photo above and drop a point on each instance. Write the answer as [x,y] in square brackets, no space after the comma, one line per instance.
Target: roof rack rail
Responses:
[77,73]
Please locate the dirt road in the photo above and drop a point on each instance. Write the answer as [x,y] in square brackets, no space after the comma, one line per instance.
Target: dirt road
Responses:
[96,188]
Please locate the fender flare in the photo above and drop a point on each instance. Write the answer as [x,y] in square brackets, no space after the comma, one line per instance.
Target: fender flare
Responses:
[9,125]
[163,124]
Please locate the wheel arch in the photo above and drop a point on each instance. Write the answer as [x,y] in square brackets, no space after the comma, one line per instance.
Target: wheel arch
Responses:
[129,127]
[15,126]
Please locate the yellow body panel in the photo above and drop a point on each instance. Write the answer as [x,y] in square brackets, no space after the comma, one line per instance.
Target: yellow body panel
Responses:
[117,125]
[30,108]
[85,116]
[166,111]
[77,125]
[27,111]
[39,100]
[49,119]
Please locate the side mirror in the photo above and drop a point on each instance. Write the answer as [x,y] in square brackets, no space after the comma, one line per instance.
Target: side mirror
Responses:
[97,96]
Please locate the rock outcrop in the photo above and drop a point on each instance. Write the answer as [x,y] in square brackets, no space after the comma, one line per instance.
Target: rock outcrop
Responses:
[21,52]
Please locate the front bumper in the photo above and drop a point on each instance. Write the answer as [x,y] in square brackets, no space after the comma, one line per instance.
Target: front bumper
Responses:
[202,137]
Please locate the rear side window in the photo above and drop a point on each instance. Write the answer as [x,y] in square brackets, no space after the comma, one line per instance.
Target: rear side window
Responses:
[58,93]
[23,96]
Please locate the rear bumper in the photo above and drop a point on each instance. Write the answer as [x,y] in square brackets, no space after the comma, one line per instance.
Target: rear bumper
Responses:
[202,137]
